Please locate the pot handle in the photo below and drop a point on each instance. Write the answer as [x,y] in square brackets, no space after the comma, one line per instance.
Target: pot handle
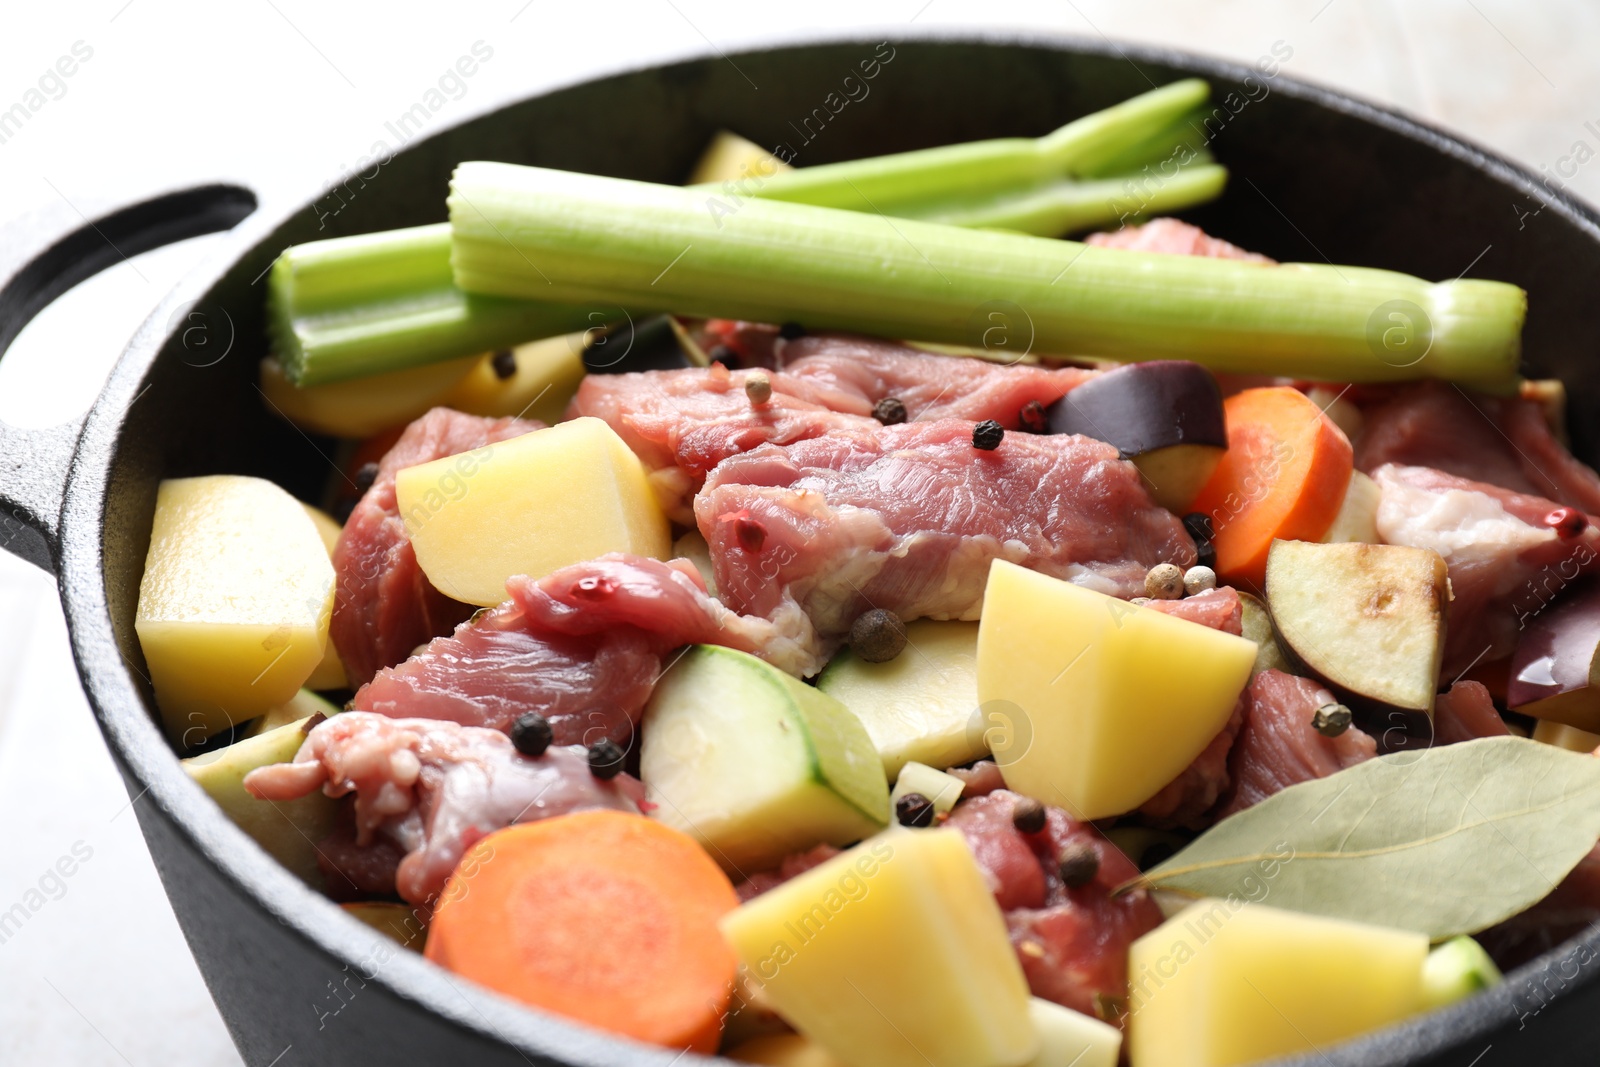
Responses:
[42,255]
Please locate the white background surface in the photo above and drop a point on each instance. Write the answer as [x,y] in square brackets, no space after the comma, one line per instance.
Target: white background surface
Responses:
[173,90]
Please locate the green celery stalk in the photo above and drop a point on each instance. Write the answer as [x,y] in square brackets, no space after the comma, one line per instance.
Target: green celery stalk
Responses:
[891,183]
[535,233]
[354,306]
[1068,206]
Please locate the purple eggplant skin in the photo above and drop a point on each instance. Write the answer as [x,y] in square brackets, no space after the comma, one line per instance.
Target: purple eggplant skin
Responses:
[1555,670]
[1142,407]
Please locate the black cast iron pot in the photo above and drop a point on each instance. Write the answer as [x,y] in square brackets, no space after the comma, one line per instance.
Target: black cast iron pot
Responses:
[1317,176]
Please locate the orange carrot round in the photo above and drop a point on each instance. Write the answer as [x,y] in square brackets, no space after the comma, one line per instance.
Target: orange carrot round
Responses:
[1284,475]
[602,916]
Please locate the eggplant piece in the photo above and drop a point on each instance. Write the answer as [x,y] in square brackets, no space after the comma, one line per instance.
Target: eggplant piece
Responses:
[1555,670]
[1367,620]
[1164,415]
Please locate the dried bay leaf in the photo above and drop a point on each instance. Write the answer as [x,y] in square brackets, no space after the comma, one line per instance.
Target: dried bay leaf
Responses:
[1447,841]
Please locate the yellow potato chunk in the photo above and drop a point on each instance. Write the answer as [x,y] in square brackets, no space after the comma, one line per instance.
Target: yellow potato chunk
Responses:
[1225,982]
[530,505]
[361,407]
[330,673]
[547,373]
[893,954]
[784,1050]
[1103,702]
[1070,1038]
[234,603]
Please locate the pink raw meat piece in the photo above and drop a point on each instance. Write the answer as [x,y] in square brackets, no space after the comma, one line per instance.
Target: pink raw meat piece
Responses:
[1173,237]
[1505,562]
[433,788]
[1278,747]
[582,646]
[1504,441]
[908,518]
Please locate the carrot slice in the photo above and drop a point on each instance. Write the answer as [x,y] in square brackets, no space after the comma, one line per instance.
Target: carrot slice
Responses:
[1284,476]
[605,917]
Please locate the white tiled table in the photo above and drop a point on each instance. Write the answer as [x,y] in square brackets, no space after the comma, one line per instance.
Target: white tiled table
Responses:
[99,973]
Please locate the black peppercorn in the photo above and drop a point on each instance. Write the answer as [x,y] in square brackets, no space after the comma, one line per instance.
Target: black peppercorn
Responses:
[1079,864]
[877,636]
[1199,526]
[504,364]
[531,734]
[1331,720]
[791,330]
[987,435]
[722,354]
[366,474]
[914,809]
[1028,816]
[605,759]
[891,411]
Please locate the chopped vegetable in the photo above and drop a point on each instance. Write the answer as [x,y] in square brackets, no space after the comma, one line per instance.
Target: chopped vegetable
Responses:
[1455,971]
[586,238]
[1555,670]
[355,306]
[529,505]
[784,1050]
[920,706]
[234,603]
[532,734]
[755,764]
[1284,476]
[399,922]
[907,184]
[1332,720]
[1094,729]
[330,672]
[730,158]
[941,789]
[877,636]
[1197,580]
[1366,619]
[605,917]
[1257,625]
[1070,1038]
[1420,824]
[365,406]
[1164,581]
[987,435]
[302,706]
[1164,415]
[289,831]
[1225,982]
[1357,519]
[351,307]
[893,954]
[1549,732]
